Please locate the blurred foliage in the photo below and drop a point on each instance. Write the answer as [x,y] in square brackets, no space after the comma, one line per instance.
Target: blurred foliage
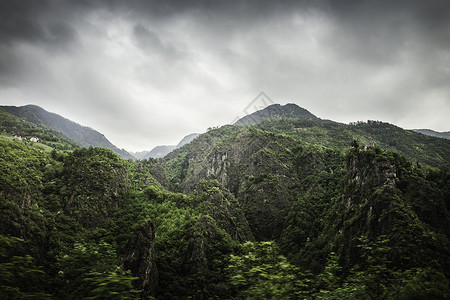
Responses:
[20,277]
[261,272]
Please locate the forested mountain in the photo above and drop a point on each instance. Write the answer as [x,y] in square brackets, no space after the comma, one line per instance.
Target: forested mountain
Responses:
[82,135]
[12,127]
[289,206]
[277,111]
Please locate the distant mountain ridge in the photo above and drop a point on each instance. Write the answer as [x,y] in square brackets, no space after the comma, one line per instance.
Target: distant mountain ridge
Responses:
[82,135]
[303,124]
[277,111]
[156,152]
[85,136]
[163,150]
[444,135]
[187,139]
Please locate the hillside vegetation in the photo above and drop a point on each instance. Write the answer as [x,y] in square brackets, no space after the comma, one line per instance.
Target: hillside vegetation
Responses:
[80,135]
[282,208]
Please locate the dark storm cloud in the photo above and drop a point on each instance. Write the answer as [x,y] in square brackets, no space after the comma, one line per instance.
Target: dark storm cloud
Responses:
[164,8]
[151,43]
[26,21]
[18,20]
[373,31]
[16,67]
[22,19]
[61,34]
[173,62]
[379,30]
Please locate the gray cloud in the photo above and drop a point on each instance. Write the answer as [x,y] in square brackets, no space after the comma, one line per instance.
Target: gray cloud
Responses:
[150,43]
[61,34]
[149,72]
[18,20]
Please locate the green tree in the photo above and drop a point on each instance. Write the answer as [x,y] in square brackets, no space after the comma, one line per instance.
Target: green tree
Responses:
[111,285]
[91,271]
[376,278]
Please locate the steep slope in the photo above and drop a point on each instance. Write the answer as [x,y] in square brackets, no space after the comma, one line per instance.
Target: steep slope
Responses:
[82,135]
[258,167]
[386,196]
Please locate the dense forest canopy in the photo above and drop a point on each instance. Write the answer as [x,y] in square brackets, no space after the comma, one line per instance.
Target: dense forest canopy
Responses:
[288,207]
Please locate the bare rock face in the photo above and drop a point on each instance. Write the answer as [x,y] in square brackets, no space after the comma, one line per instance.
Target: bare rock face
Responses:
[371,189]
[368,172]
[140,259]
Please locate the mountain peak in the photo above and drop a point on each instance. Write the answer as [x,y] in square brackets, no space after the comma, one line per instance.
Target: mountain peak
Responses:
[277,111]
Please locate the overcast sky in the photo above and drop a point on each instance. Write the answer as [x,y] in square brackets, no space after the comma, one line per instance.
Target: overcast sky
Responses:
[147,73]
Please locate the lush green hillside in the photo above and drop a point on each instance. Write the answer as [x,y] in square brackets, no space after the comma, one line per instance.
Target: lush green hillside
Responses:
[81,135]
[284,209]
[417,147]
[14,127]
[85,217]
[300,124]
